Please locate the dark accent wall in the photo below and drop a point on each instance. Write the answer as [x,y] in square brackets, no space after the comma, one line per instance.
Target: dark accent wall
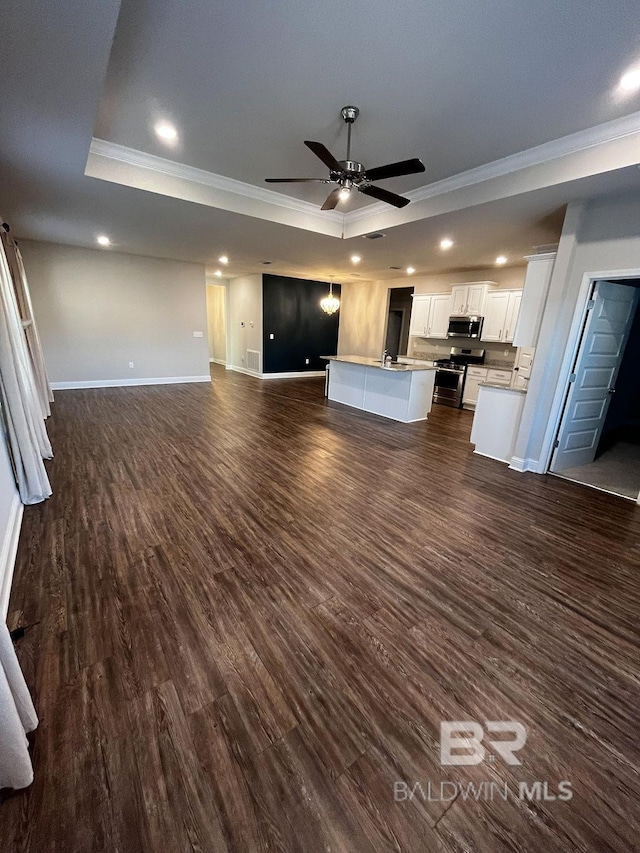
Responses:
[301,329]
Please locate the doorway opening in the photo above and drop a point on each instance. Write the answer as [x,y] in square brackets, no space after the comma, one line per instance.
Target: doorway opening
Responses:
[398,321]
[598,440]
[217,322]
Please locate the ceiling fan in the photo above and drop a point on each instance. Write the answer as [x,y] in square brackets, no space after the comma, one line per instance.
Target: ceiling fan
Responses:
[349,174]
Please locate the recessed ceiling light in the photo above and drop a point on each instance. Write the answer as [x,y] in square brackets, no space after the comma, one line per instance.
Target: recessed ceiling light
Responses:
[218,273]
[630,82]
[165,130]
[223,259]
[447,243]
[501,259]
[411,270]
[355,259]
[103,240]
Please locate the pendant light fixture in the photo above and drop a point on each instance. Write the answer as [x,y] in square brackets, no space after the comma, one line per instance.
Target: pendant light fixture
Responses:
[330,303]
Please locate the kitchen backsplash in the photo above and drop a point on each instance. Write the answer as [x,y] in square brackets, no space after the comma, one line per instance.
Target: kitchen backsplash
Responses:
[430,349]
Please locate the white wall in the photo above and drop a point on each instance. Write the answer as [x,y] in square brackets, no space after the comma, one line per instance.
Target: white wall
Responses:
[602,236]
[244,324]
[98,310]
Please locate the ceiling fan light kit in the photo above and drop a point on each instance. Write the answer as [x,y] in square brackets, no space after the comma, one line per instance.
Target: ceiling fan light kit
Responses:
[349,174]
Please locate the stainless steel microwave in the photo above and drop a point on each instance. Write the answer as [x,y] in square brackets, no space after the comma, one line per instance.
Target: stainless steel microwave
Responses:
[461,326]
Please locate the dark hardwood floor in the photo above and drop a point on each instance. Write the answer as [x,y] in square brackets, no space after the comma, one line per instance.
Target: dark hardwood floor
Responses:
[250,609]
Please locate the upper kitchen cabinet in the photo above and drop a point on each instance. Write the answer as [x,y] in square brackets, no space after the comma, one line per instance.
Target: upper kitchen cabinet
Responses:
[420,315]
[439,315]
[430,315]
[470,299]
[534,297]
[501,315]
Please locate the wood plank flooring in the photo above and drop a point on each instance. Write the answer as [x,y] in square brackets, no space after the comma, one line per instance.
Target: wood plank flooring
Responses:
[249,610]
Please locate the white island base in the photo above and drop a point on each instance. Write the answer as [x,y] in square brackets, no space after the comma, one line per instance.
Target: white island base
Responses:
[402,392]
[496,421]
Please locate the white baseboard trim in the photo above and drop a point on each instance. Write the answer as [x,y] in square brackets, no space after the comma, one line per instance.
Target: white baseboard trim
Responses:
[244,370]
[294,374]
[218,361]
[8,550]
[489,456]
[523,465]
[117,383]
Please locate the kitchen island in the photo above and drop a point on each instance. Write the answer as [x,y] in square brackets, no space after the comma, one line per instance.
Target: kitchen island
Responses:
[402,392]
[496,420]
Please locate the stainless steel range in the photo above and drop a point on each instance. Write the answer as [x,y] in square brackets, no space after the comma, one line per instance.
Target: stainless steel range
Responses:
[451,375]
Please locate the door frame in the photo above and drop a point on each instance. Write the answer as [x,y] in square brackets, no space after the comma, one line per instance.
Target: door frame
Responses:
[570,355]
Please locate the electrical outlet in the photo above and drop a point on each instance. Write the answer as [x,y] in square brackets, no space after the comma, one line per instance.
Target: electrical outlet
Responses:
[130,364]
[306,361]
[271,336]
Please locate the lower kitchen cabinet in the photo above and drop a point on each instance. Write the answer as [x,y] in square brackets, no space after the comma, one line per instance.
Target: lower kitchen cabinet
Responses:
[475,375]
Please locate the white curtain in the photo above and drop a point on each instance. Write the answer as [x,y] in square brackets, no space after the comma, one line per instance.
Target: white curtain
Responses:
[25,309]
[21,403]
[17,717]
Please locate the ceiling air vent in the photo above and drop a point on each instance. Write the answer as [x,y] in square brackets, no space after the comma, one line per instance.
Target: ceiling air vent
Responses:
[375,236]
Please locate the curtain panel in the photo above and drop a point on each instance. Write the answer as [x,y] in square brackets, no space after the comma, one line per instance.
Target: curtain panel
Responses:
[17,717]
[25,310]
[22,408]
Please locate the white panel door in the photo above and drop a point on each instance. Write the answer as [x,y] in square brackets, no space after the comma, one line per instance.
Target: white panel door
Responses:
[475,299]
[495,318]
[439,315]
[593,380]
[513,309]
[420,316]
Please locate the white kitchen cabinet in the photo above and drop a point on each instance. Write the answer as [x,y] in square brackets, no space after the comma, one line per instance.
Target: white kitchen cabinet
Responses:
[534,299]
[495,316]
[470,299]
[522,368]
[430,315]
[475,375]
[439,315]
[513,310]
[420,310]
[501,315]
[499,377]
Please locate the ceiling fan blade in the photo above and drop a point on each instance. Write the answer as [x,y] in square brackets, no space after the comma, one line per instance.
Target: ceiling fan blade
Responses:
[332,199]
[294,180]
[385,195]
[324,154]
[395,170]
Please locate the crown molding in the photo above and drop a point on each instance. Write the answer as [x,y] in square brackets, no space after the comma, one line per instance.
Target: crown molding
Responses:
[560,160]
[539,155]
[113,162]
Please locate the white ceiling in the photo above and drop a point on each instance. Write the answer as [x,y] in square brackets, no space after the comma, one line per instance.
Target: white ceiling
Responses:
[458,84]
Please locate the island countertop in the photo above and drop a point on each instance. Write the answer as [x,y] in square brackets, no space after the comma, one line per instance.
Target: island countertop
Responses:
[372,362]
